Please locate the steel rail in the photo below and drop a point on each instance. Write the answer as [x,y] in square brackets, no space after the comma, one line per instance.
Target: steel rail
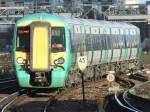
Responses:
[6,107]
[122,105]
[6,88]
[7,79]
[129,83]
[125,97]
[64,91]
[1,82]
[7,99]
[48,103]
[139,77]
[7,83]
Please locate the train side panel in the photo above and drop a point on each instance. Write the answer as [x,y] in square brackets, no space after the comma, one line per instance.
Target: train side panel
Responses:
[104,43]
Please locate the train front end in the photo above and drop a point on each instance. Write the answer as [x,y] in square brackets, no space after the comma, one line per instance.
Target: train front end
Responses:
[40,51]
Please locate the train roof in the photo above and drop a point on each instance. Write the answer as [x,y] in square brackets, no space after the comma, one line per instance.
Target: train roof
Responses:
[99,23]
[79,21]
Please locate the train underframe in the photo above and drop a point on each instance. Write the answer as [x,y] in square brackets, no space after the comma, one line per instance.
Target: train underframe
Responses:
[100,71]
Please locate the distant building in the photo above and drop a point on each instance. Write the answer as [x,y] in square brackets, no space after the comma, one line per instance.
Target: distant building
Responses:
[28,3]
[132,1]
[12,3]
[127,1]
[56,2]
[102,1]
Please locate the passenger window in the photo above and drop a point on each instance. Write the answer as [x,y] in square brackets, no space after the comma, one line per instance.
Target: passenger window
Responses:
[57,39]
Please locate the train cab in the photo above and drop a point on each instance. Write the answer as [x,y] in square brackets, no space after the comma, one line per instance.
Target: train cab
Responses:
[40,52]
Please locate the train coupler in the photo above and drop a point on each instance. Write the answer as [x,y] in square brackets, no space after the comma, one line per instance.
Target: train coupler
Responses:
[41,79]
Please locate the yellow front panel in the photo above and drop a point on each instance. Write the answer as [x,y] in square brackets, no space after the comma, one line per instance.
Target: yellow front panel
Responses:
[40,59]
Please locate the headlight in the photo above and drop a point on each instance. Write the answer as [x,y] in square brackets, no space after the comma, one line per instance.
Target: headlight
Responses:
[20,60]
[60,60]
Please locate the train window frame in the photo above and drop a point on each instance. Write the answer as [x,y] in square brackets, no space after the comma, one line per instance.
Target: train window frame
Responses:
[76,37]
[115,37]
[102,38]
[95,41]
[128,38]
[120,40]
[73,42]
[70,37]
[137,38]
[104,43]
[24,49]
[82,39]
[108,42]
[88,38]
[61,43]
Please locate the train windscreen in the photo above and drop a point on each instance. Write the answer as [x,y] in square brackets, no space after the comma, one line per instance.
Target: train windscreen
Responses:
[58,39]
[23,39]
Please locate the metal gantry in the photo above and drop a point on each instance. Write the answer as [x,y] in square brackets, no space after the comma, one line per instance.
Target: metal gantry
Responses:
[76,9]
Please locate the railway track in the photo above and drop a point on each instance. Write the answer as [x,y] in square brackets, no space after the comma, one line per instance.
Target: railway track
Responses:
[7,79]
[126,102]
[65,93]
[8,85]
[139,77]
[7,102]
[90,89]
[129,82]
[141,105]
[122,104]
[49,102]
[124,82]
[121,99]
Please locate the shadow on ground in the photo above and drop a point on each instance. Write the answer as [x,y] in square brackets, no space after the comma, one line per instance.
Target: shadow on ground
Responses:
[58,106]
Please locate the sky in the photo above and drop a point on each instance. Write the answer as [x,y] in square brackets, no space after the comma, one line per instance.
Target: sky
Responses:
[143,1]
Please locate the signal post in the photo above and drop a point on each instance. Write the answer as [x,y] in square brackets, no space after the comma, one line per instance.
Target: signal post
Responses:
[82,63]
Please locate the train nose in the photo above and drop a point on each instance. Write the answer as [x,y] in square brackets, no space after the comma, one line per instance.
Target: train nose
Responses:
[40,51]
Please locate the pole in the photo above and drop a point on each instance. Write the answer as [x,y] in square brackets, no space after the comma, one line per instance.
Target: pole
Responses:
[83,92]
[82,63]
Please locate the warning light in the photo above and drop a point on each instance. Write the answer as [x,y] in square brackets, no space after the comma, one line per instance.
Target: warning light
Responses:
[23,31]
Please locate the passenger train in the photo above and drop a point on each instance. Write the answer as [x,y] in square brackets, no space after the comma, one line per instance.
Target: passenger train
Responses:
[46,48]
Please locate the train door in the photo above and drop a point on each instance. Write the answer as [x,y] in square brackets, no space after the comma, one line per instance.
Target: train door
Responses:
[39,44]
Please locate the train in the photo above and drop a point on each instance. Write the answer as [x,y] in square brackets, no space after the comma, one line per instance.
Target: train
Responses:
[46,48]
